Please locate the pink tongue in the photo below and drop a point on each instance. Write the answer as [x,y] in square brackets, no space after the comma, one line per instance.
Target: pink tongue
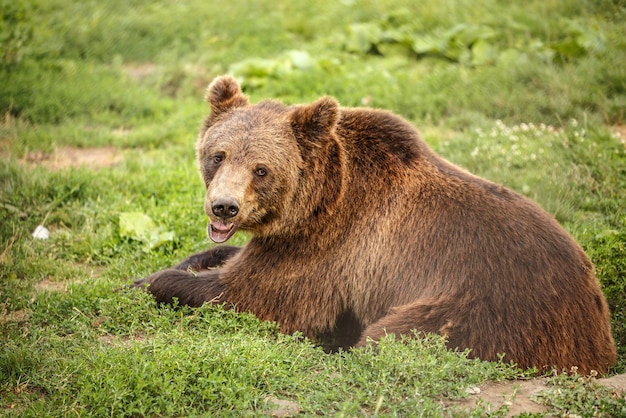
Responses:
[220,231]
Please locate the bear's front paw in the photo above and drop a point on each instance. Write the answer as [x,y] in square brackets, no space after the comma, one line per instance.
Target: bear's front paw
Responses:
[145,282]
[141,283]
[189,288]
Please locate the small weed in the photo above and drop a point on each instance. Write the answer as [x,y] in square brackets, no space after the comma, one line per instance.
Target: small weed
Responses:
[574,395]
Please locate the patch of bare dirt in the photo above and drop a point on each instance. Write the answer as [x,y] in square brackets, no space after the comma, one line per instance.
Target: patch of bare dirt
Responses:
[140,71]
[115,340]
[15,316]
[47,285]
[282,408]
[21,389]
[122,131]
[67,157]
[517,394]
[616,382]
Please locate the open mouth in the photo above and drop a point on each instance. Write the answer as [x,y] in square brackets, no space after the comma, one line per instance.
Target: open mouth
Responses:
[220,230]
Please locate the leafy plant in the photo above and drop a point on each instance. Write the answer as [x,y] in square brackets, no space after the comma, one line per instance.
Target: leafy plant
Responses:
[253,72]
[141,227]
[582,396]
[16,31]
[471,44]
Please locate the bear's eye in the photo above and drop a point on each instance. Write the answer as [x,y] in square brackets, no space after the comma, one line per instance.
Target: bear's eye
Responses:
[217,159]
[261,171]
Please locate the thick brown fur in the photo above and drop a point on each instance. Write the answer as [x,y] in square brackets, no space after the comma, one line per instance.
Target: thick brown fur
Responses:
[359,229]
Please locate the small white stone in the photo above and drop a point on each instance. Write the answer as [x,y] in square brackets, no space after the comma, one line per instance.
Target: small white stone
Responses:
[473,390]
[41,232]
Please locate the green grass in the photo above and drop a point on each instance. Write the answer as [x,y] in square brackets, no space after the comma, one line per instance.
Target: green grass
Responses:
[114,354]
[528,95]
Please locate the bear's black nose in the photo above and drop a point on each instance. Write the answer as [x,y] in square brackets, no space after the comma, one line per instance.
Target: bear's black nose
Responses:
[225,208]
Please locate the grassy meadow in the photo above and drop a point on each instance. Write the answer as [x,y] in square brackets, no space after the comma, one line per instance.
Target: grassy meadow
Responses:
[100,104]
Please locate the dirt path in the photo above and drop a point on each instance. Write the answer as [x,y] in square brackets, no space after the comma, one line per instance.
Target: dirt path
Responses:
[517,394]
[65,157]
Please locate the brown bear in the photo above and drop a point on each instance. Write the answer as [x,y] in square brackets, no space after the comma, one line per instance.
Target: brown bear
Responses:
[359,229]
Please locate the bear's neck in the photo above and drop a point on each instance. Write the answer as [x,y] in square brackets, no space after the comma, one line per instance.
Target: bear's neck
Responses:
[319,195]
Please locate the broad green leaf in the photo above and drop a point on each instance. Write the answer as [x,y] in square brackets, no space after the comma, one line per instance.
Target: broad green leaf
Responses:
[403,36]
[254,72]
[393,49]
[301,60]
[474,33]
[568,48]
[253,67]
[454,31]
[363,36]
[483,53]
[140,227]
[428,44]
[511,57]
[456,51]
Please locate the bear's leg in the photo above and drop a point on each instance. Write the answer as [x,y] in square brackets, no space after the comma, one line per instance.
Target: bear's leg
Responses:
[422,316]
[192,289]
[193,281]
[208,259]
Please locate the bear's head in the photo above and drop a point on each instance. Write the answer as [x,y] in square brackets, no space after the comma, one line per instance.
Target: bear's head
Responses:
[266,166]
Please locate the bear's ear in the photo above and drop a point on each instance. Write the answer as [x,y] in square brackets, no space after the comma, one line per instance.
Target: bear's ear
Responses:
[224,93]
[318,118]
